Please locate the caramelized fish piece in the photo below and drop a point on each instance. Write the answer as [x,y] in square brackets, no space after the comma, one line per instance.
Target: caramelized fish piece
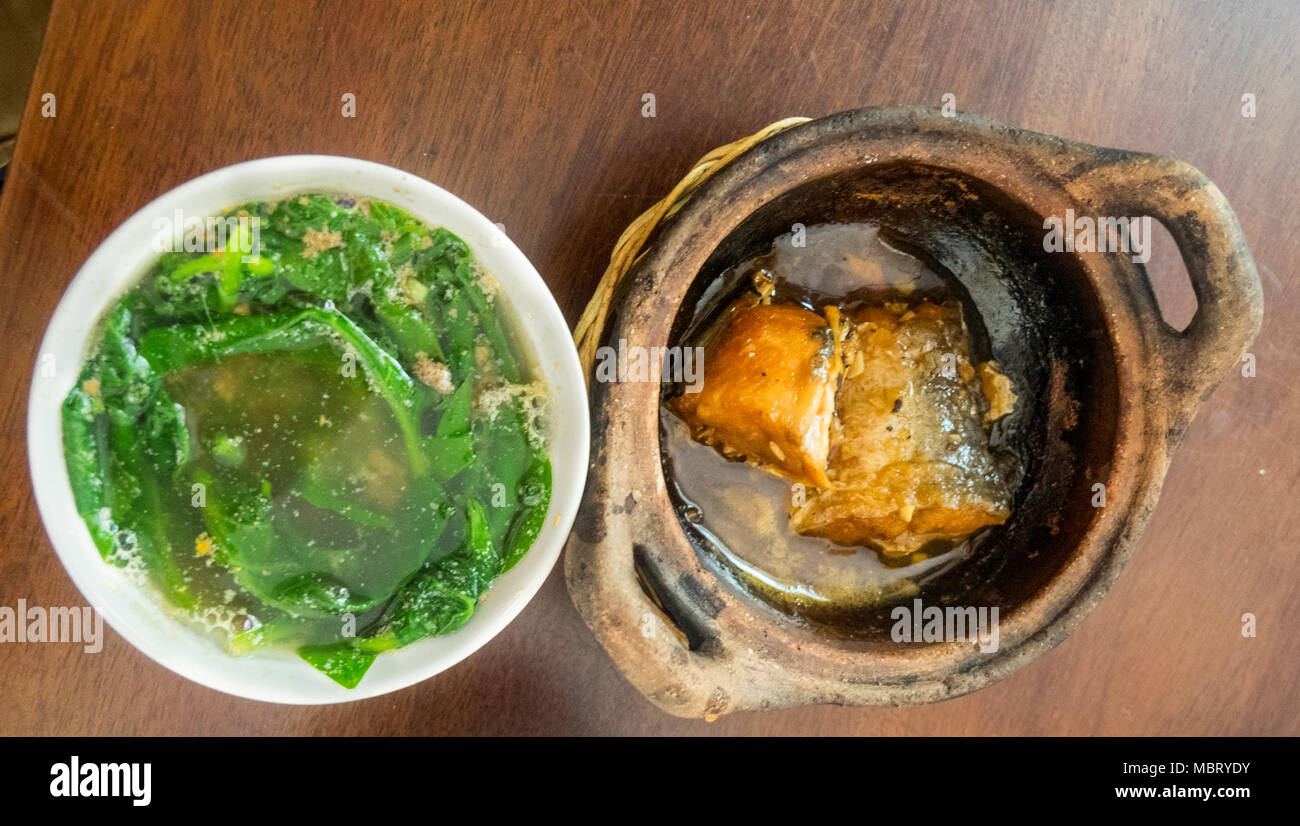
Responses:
[997,389]
[768,392]
[910,459]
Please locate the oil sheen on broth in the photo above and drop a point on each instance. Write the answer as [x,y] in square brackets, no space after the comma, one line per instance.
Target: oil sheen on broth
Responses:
[742,511]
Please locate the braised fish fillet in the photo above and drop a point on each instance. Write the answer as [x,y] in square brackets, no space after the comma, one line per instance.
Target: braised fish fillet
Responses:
[768,393]
[910,459]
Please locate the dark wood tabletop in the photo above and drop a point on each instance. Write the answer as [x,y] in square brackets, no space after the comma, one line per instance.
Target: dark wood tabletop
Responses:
[532,112]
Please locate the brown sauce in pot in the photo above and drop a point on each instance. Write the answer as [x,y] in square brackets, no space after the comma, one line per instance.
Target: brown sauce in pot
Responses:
[742,513]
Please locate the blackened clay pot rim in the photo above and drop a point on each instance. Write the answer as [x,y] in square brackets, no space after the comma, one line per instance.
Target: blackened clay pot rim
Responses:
[707,648]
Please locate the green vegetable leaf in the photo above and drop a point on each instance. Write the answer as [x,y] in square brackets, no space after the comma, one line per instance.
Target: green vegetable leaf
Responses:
[310,528]
[342,663]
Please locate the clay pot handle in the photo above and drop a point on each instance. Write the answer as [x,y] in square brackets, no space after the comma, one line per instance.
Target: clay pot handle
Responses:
[1230,305]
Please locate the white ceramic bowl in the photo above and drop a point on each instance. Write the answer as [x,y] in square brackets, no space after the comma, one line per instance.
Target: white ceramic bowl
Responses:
[135,613]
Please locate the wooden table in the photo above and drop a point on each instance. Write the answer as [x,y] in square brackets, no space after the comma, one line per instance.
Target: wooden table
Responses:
[532,112]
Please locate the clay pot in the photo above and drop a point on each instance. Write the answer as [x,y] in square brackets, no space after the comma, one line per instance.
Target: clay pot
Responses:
[1109,388]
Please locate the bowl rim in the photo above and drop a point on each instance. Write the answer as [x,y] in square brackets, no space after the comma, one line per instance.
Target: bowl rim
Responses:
[124,256]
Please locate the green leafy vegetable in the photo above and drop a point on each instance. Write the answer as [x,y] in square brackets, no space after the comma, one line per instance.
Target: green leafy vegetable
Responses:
[287,429]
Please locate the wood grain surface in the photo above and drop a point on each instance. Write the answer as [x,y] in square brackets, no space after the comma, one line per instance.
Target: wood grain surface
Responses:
[531,111]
